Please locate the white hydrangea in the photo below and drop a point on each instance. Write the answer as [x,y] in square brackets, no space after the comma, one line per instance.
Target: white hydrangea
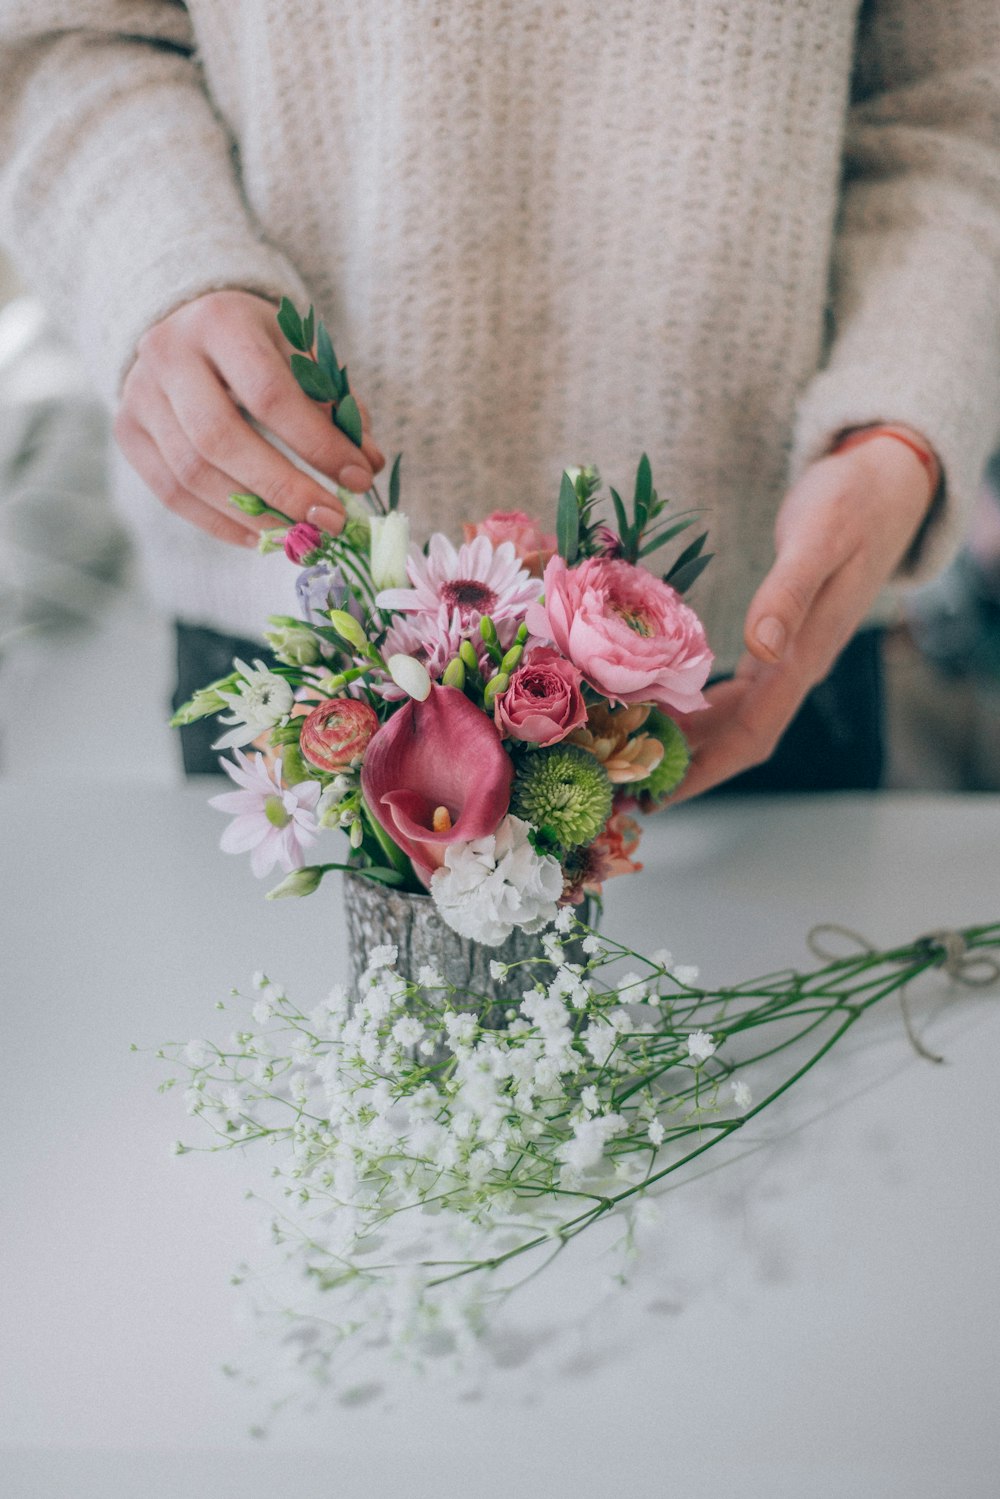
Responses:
[489,886]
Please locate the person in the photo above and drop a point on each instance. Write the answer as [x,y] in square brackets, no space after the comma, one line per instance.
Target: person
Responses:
[729,234]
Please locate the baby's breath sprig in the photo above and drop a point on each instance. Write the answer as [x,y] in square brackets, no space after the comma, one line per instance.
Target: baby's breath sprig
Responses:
[418,1149]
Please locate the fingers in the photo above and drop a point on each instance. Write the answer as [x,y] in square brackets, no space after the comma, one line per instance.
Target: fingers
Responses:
[748,715]
[226,454]
[814,539]
[266,387]
[144,455]
[180,426]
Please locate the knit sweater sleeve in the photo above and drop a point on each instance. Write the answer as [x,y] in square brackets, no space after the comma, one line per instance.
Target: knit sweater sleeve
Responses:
[119,196]
[916,273]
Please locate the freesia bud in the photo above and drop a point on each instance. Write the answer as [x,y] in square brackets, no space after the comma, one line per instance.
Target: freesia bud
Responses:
[467,652]
[496,685]
[512,658]
[411,675]
[488,630]
[390,545]
[454,673]
[300,882]
[348,629]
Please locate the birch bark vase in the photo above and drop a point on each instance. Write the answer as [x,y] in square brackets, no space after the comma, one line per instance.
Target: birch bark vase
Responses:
[411,924]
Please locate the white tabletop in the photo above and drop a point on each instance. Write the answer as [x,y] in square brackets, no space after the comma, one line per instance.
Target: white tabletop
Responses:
[819,1312]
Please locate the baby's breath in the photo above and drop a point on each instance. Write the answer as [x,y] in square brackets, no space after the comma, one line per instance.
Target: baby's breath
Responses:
[418,1153]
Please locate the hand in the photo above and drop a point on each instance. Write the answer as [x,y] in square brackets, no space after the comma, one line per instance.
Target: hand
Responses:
[840,535]
[180,428]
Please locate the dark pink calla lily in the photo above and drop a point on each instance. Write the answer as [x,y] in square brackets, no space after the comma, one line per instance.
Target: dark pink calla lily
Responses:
[441,753]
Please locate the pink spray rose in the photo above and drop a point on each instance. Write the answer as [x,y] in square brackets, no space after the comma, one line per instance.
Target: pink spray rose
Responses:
[543,702]
[533,546]
[631,635]
[436,773]
[301,540]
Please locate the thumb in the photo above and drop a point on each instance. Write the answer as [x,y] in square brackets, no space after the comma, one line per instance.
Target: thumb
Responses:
[811,547]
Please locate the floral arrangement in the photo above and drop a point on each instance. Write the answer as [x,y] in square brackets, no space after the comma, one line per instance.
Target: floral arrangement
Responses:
[482,721]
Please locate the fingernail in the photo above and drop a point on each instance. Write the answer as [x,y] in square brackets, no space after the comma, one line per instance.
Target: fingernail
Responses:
[771,635]
[326,520]
[354,477]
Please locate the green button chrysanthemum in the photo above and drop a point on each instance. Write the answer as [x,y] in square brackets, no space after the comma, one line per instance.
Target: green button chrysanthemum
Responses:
[564,788]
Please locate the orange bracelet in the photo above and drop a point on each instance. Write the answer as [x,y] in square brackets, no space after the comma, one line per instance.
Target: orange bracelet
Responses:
[927,456]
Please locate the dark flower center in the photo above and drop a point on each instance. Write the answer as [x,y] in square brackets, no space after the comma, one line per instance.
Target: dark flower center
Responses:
[469,597]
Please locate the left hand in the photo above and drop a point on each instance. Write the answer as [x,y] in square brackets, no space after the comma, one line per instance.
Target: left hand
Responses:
[841,533]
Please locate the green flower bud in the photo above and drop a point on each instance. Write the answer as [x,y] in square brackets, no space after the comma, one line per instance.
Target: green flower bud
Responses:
[299,882]
[348,629]
[512,659]
[205,701]
[494,687]
[454,674]
[467,652]
[250,504]
[564,788]
[294,645]
[488,630]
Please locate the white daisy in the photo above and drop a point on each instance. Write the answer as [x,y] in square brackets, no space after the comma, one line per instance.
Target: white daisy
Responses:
[261,700]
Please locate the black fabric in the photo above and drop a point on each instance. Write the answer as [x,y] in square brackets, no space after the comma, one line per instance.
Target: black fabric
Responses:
[204,656]
[835,742]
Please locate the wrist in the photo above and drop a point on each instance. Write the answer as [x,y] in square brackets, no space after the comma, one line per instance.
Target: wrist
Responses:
[899,433]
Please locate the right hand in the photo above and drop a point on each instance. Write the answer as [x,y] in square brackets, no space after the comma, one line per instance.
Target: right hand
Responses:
[180,426]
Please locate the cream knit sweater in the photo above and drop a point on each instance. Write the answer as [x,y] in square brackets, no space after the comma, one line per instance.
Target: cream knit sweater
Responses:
[542,231]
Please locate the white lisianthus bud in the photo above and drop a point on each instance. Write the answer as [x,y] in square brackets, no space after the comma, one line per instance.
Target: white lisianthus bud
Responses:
[390,545]
[411,675]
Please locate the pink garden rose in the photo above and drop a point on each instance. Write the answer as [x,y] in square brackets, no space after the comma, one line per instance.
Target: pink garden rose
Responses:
[533,546]
[301,540]
[436,773]
[631,635]
[543,702]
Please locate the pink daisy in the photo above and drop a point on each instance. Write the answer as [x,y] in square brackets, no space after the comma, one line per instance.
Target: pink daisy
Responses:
[274,823]
[474,580]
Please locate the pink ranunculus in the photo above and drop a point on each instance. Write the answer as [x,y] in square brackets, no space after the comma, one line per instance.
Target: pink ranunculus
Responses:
[631,635]
[436,773]
[337,732]
[543,702]
[533,546]
[301,541]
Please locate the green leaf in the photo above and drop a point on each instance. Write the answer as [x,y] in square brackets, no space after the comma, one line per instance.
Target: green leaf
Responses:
[309,328]
[348,418]
[620,515]
[326,358]
[394,483]
[683,577]
[568,521]
[314,381]
[291,325]
[643,492]
[689,553]
[662,537]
